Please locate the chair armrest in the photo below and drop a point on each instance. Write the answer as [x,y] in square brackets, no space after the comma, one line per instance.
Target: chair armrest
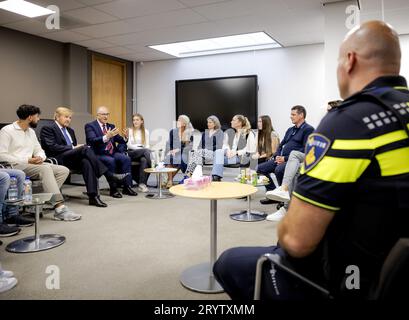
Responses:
[5,165]
[283,265]
[51,160]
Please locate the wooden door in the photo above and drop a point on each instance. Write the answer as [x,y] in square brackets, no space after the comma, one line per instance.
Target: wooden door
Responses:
[109,89]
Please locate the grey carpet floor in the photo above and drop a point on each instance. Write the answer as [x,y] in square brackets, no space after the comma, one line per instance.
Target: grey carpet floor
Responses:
[134,249]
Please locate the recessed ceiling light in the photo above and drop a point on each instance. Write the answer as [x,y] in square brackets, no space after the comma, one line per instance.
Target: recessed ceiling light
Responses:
[25,8]
[241,42]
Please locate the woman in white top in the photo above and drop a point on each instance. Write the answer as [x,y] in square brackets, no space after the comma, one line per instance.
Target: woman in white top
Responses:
[138,150]
[267,140]
[239,142]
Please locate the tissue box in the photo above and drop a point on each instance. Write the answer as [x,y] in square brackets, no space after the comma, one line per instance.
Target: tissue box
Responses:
[197,183]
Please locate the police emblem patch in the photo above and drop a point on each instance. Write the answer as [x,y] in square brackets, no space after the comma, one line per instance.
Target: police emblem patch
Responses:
[317,146]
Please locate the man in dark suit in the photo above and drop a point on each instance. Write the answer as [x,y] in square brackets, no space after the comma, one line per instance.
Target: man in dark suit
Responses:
[110,148]
[58,141]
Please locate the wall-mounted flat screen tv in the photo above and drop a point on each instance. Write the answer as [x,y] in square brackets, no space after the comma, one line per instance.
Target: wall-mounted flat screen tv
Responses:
[222,97]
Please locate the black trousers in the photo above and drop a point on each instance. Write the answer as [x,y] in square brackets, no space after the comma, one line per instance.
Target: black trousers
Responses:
[235,270]
[143,156]
[84,159]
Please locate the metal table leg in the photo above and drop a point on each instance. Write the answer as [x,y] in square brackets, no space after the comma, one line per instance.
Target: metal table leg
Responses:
[200,277]
[37,242]
[160,194]
[248,215]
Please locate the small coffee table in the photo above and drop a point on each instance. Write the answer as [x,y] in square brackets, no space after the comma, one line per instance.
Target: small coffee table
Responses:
[37,242]
[160,194]
[200,277]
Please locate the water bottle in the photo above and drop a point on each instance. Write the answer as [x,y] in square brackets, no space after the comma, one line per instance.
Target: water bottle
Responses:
[13,189]
[28,190]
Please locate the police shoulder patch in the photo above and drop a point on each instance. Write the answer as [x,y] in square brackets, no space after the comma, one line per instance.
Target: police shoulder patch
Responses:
[315,149]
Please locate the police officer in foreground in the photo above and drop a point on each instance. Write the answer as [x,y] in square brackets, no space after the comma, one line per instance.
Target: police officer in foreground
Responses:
[351,202]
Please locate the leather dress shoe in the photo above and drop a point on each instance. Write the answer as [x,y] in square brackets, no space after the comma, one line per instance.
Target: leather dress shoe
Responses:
[115,194]
[96,201]
[268,201]
[128,191]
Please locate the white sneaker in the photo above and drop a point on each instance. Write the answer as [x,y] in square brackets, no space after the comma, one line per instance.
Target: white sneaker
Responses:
[66,215]
[7,284]
[278,194]
[6,274]
[278,215]
[142,188]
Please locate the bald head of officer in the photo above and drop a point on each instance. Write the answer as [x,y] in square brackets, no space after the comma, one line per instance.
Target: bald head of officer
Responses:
[369,51]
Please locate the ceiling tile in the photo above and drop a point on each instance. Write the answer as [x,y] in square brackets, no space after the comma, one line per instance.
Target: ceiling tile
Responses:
[167,19]
[65,36]
[196,3]
[94,2]
[90,15]
[8,17]
[105,29]
[62,4]
[135,8]
[115,51]
[227,9]
[31,26]
[94,44]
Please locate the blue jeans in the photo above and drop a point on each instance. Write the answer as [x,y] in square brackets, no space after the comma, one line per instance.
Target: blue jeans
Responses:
[220,160]
[7,211]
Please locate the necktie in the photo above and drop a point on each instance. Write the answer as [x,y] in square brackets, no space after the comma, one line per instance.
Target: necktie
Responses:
[110,147]
[67,138]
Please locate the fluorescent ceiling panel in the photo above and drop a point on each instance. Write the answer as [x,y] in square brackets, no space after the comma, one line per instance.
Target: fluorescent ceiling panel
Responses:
[236,43]
[25,8]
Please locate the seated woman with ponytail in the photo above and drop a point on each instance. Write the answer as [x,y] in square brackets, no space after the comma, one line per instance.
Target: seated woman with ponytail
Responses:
[238,145]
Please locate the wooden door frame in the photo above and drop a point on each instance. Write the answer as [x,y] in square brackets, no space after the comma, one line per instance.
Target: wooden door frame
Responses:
[121,64]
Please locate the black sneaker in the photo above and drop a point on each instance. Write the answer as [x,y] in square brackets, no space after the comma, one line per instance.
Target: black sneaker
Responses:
[268,201]
[19,221]
[6,231]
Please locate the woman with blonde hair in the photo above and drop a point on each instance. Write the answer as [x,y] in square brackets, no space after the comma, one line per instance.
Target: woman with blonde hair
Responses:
[178,147]
[138,151]
[239,143]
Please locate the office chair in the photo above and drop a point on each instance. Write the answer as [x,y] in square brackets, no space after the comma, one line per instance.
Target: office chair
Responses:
[393,279]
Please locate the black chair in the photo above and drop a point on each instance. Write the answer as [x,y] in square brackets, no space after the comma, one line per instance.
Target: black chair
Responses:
[393,279]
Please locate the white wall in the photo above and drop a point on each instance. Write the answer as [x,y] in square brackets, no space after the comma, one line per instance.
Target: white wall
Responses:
[286,77]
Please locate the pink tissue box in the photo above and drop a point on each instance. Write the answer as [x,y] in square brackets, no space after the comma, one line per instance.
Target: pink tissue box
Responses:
[198,183]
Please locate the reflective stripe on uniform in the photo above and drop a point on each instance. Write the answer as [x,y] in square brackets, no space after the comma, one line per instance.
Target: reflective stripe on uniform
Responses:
[316,203]
[371,144]
[394,162]
[339,170]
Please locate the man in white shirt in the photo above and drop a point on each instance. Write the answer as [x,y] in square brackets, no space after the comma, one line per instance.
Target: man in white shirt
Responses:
[19,146]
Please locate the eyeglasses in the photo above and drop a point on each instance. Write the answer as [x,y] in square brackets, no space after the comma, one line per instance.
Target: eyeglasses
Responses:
[103,114]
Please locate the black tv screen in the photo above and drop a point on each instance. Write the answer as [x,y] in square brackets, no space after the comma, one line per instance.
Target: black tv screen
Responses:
[222,97]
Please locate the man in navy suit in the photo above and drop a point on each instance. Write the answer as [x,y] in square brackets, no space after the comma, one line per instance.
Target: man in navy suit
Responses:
[295,139]
[110,148]
[58,141]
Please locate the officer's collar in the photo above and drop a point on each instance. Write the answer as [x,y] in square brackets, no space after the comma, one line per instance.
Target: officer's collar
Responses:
[385,81]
